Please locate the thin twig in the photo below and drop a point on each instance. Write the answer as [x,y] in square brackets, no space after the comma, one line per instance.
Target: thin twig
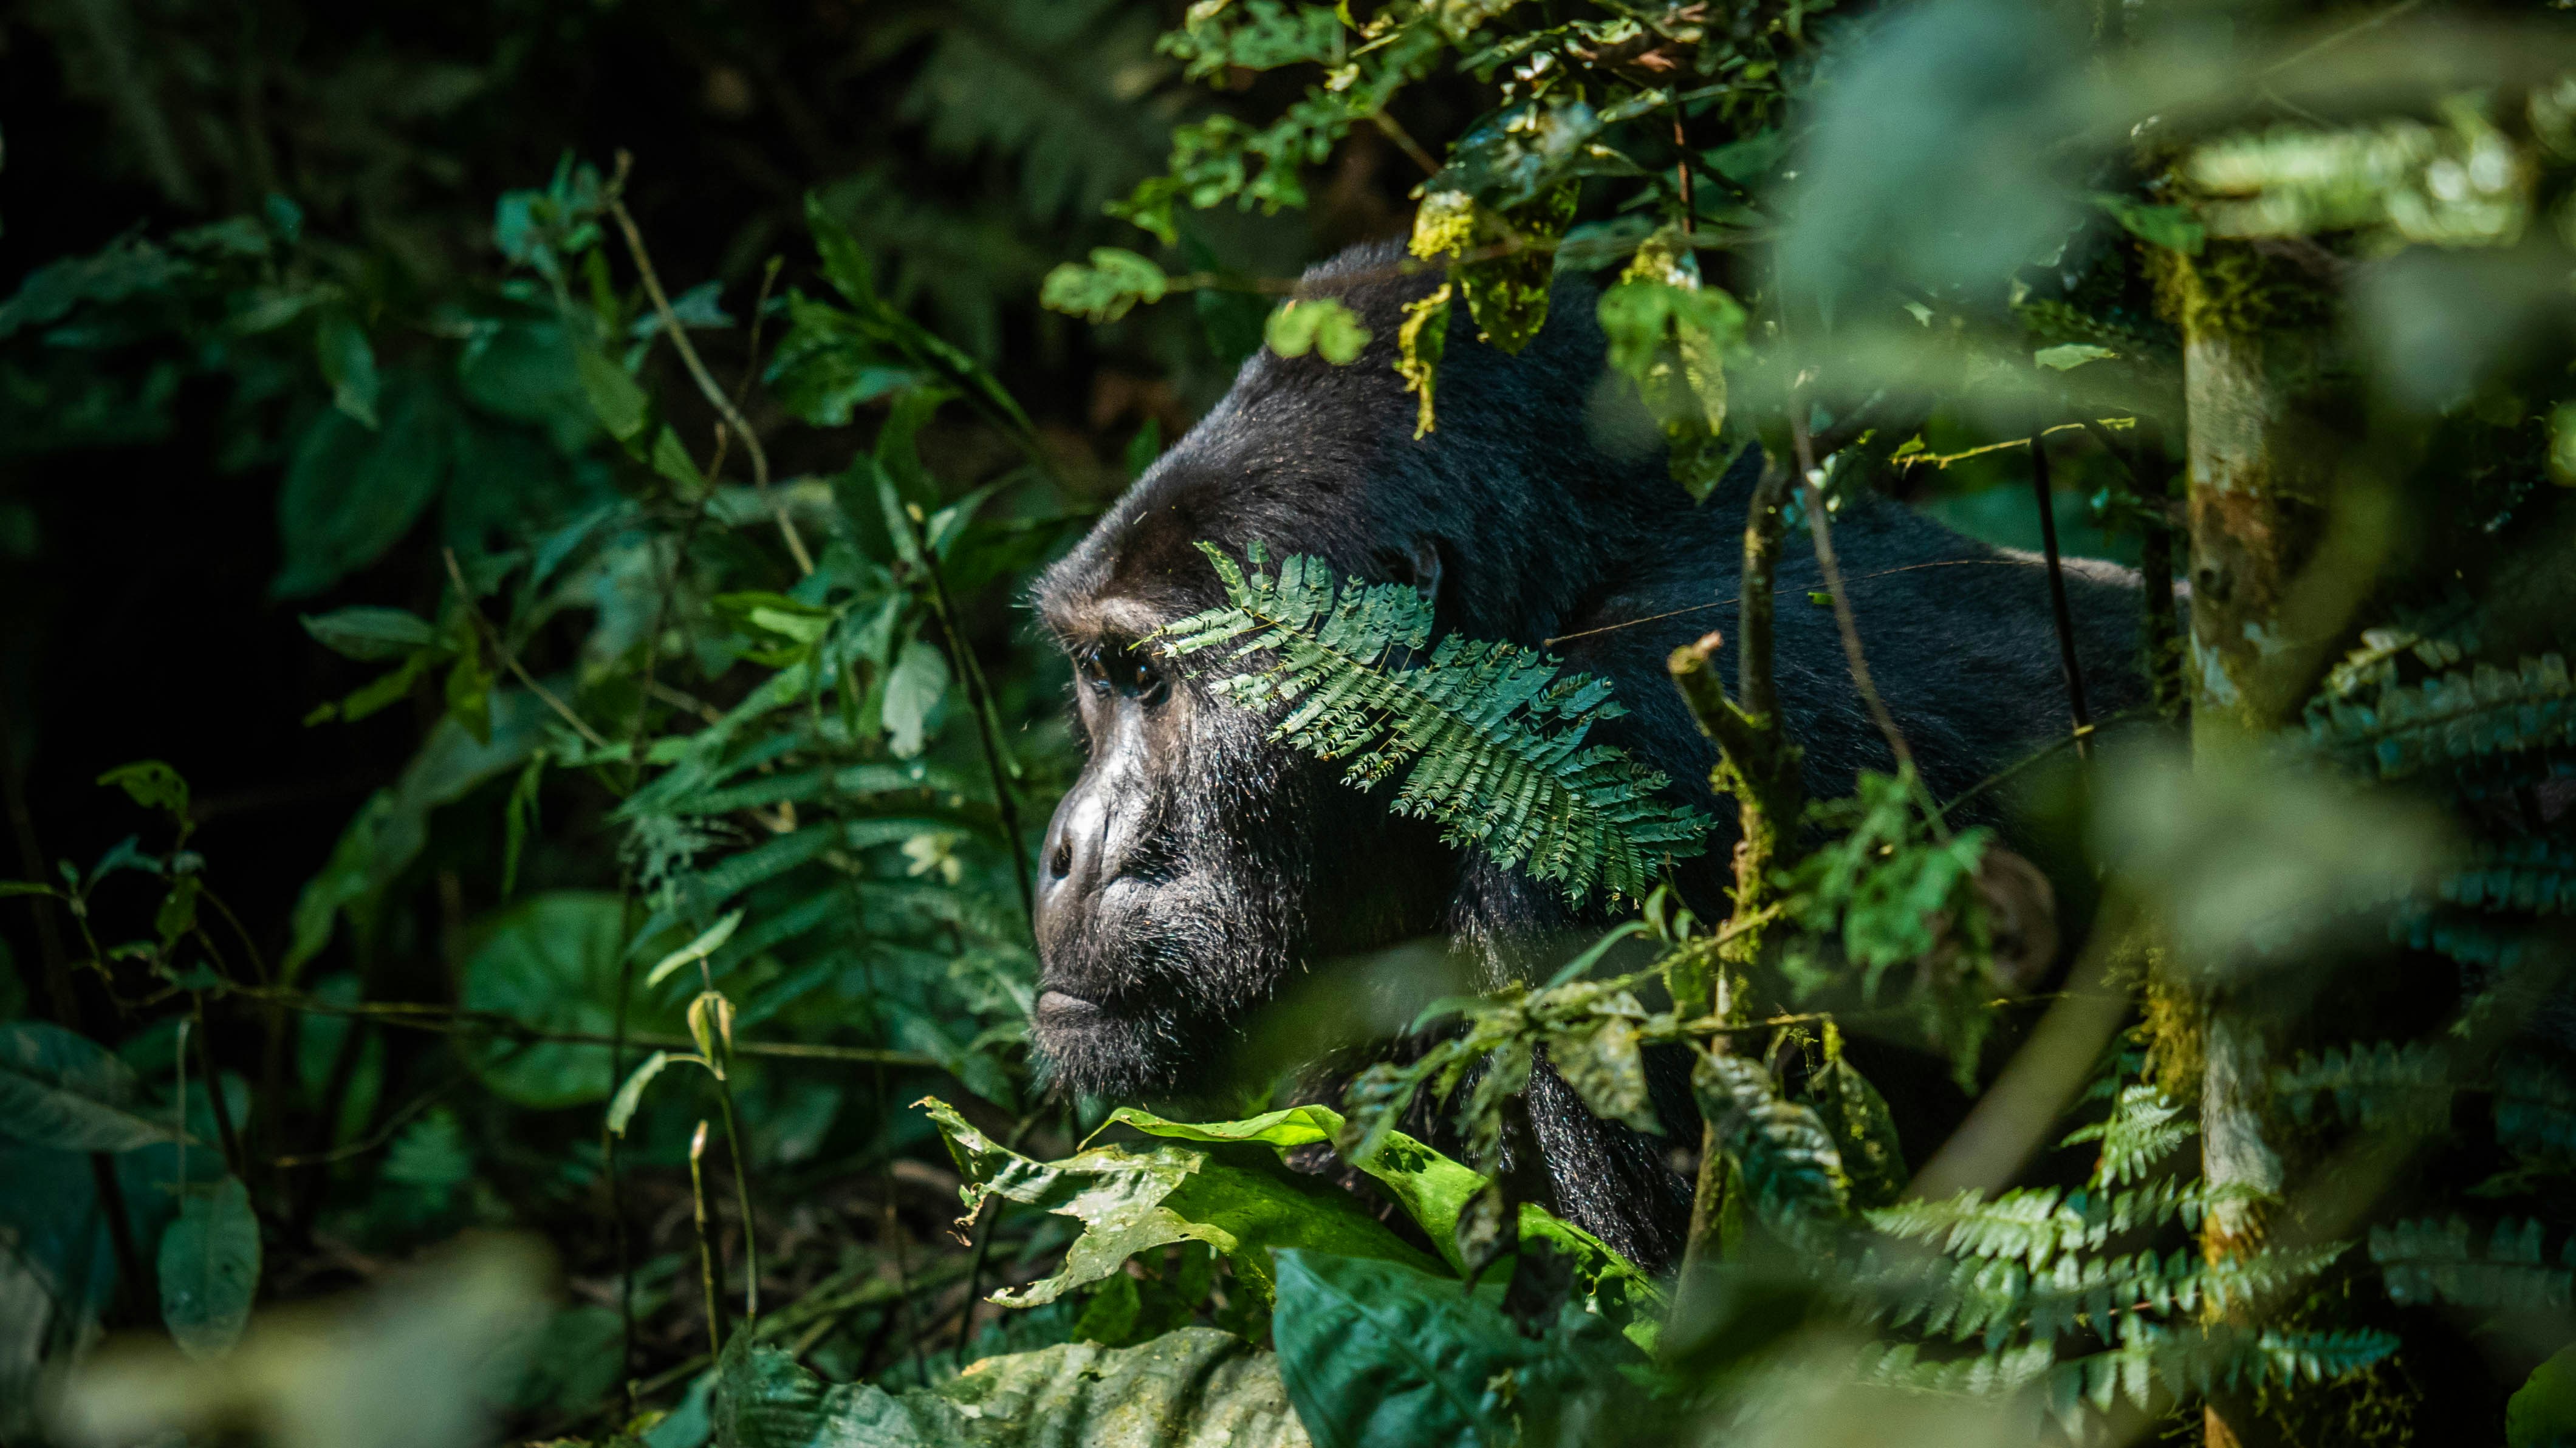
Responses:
[492,636]
[1404,142]
[698,369]
[1822,531]
[453,1020]
[372,1140]
[1778,592]
[2066,655]
[979,699]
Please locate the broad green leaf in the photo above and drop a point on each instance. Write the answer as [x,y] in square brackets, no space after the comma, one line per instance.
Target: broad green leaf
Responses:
[845,263]
[349,365]
[365,632]
[62,1091]
[1244,1205]
[1320,325]
[2171,227]
[209,1268]
[1195,1388]
[2071,355]
[913,688]
[1863,1130]
[1606,1066]
[1107,289]
[551,963]
[708,943]
[2543,1410]
[151,784]
[616,399]
[352,492]
[1430,1187]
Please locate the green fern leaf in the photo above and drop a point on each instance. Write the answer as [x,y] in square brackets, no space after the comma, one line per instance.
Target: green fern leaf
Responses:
[2458,718]
[2429,1261]
[1493,733]
[2376,1087]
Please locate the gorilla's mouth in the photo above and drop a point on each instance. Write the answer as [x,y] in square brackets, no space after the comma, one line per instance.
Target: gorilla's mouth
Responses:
[1063,1008]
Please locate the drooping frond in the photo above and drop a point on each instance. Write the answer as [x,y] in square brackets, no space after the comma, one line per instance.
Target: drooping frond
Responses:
[2429,1261]
[2375,1086]
[2528,875]
[1493,733]
[2535,1110]
[2462,716]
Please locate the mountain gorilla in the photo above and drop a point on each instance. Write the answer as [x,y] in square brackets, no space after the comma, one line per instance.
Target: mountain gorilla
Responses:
[1196,867]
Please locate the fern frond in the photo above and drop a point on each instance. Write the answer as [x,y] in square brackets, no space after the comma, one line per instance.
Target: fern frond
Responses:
[2430,1261]
[1998,1299]
[1493,733]
[2038,1224]
[2471,940]
[2527,875]
[2462,716]
[2375,1086]
[2144,1127]
[2196,1360]
[2535,1110]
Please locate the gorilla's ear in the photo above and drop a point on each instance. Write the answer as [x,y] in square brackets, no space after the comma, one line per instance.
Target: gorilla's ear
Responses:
[1418,565]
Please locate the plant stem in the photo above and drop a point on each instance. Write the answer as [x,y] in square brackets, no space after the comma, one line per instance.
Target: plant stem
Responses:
[698,373]
[710,1275]
[1822,530]
[979,699]
[510,660]
[2066,656]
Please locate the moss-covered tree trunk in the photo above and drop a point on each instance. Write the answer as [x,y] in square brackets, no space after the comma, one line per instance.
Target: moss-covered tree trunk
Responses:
[2258,473]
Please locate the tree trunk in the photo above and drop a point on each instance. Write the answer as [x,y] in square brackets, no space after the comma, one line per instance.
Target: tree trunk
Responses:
[2257,478]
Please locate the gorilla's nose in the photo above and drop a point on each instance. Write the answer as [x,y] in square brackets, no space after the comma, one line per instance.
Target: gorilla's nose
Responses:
[1069,863]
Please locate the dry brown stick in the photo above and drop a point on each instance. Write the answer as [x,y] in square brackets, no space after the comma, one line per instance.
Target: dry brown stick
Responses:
[492,636]
[698,373]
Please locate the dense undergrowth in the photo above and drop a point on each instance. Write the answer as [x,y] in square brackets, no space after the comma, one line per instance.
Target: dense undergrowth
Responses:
[641,1053]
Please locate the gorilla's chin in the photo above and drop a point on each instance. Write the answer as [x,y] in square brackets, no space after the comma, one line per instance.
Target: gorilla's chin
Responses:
[1124,1053]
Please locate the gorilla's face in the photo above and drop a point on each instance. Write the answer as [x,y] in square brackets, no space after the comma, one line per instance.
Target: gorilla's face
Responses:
[1195,867]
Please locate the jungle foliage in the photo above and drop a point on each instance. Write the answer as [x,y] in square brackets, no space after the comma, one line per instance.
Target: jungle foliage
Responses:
[638,1054]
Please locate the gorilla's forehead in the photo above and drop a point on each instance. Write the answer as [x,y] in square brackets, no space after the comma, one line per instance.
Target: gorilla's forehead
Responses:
[1265,465]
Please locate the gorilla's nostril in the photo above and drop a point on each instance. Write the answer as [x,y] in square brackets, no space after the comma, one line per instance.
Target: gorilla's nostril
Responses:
[1060,863]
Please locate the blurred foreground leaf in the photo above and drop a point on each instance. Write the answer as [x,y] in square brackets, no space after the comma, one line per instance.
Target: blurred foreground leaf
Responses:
[417,1363]
[1194,1386]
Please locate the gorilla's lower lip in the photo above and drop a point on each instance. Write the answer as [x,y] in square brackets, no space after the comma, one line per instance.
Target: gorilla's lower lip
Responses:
[1060,1003]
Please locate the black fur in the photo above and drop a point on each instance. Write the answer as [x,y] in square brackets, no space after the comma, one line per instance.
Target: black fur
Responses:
[1196,868]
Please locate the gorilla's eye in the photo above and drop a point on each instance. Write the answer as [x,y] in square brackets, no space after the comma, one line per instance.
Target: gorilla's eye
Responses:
[1124,669]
